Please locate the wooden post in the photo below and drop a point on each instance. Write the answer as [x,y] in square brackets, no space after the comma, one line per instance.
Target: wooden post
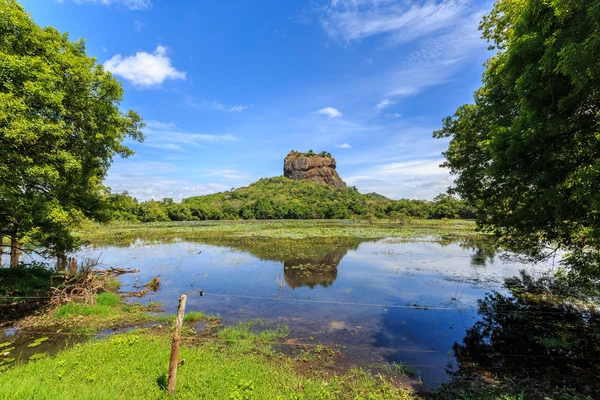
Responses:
[175,345]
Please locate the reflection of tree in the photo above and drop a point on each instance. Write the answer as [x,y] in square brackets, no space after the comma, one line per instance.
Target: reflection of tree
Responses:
[483,249]
[531,335]
[318,270]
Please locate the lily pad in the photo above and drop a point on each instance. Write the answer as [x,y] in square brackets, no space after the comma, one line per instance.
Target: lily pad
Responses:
[6,361]
[38,341]
[38,356]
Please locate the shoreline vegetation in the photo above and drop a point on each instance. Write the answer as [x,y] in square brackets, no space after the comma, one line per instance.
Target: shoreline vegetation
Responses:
[323,230]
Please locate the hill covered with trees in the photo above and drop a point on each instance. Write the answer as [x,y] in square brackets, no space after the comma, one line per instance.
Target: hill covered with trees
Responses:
[283,198]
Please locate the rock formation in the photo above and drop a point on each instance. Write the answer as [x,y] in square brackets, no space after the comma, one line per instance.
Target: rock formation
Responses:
[315,167]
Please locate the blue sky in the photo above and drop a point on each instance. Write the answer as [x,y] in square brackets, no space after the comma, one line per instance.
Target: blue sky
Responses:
[228,88]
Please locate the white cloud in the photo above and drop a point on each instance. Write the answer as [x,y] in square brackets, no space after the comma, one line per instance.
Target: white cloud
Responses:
[354,20]
[239,108]
[131,4]
[343,146]
[416,179]
[393,115]
[144,69]
[330,112]
[138,26]
[149,186]
[383,104]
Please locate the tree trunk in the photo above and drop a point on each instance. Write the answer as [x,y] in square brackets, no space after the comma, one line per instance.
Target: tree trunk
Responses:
[1,249]
[61,262]
[15,251]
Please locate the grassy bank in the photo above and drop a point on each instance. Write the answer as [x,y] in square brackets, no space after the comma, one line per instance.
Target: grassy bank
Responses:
[290,229]
[236,362]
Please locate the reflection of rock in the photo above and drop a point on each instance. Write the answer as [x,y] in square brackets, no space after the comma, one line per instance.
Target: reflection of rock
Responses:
[317,270]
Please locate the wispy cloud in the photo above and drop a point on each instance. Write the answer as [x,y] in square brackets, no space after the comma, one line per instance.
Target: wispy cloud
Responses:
[233,174]
[144,69]
[238,108]
[343,146]
[329,112]
[393,115]
[207,105]
[138,26]
[438,59]
[383,104]
[354,20]
[168,135]
[130,4]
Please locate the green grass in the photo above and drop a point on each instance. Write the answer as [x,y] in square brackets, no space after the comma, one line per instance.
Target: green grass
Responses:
[255,330]
[134,366]
[194,316]
[109,312]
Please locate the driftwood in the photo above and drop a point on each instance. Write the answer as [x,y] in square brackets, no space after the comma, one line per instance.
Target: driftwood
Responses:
[113,271]
[136,294]
[84,284]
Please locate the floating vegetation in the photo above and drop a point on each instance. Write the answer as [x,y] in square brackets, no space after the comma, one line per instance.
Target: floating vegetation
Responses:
[6,351]
[38,356]
[38,341]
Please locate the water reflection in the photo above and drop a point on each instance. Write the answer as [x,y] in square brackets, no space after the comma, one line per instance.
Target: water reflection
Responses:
[386,300]
[529,333]
[313,271]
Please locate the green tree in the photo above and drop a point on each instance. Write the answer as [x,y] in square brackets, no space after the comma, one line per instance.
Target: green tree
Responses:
[60,127]
[153,211]
[527,152]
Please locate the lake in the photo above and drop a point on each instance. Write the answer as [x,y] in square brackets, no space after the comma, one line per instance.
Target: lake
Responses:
[376,301]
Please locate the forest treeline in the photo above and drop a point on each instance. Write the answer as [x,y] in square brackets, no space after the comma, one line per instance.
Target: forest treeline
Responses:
[283,198]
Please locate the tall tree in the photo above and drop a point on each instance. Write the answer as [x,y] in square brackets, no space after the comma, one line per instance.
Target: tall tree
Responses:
[527,152]
[60,127]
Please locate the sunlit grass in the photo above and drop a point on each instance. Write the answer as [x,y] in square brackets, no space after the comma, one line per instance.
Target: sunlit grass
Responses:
[134,366]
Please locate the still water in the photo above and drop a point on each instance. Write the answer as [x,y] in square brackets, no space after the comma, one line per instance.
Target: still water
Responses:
[375,300]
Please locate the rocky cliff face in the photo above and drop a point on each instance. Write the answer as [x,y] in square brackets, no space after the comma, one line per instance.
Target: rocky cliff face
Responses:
[315,167]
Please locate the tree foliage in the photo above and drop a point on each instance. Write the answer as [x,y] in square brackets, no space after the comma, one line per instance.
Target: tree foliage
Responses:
[60,127]
[283,198]
[527,152]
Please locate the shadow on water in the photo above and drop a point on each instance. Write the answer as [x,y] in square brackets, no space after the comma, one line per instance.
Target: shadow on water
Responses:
[533,338]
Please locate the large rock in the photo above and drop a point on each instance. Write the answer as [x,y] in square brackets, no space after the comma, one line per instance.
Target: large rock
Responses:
[315,167]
